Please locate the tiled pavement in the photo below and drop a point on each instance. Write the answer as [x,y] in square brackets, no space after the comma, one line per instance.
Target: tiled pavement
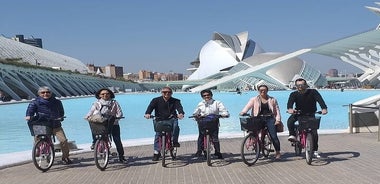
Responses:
[346,158]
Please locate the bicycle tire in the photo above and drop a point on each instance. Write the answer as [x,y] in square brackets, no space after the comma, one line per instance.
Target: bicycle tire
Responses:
[297,143]
[250,150]
[208,150]
[163,149]
[43,155]
[101,154]
[309,148]
[267,147]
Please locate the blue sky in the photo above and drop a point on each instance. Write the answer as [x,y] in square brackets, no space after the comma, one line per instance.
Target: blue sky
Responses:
[167,35]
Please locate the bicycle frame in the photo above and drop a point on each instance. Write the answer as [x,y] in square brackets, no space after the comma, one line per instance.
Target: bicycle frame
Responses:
[305,135]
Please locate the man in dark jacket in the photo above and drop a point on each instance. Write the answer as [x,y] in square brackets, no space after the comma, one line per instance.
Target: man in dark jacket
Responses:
[165,108]
[46,108]
[305,100]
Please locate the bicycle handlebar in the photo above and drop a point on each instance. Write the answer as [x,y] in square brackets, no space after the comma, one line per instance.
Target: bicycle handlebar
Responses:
[216,115]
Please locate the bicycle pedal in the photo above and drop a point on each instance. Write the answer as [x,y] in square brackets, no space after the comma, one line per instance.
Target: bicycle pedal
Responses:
[114,154]
[271,150]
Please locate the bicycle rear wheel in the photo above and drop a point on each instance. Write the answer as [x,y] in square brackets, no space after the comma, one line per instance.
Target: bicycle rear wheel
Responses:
[43,155]
[250,150]
[309,148]
[163,149]
[208,150]
[101,154]
[267,144]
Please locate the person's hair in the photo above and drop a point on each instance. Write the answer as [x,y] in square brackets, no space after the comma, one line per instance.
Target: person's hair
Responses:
[97,94]
[262,85]
[206,91]
[300,79]
[43,88]
[167,87]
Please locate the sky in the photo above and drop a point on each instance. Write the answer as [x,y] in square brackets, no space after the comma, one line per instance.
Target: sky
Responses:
[166,35]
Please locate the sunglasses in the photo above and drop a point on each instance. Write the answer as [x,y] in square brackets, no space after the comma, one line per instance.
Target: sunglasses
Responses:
[169,92]
[206,95]
[45,92]
[104,93]
[301,85]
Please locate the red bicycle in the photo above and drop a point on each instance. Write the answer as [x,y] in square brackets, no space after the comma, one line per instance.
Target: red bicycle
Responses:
[43,152]
[103,144]
[208,124]
[256,141]
[165,128]
[305,128]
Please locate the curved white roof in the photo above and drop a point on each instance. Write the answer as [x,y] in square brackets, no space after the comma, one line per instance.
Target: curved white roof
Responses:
[11,49]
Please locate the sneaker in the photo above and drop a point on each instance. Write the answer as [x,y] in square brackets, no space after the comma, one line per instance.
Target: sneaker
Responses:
[218,155]
[92,146]
[198,153]
[292,138]
[67,161]
[176,144]
[122,159]
[156,157]
[316,154]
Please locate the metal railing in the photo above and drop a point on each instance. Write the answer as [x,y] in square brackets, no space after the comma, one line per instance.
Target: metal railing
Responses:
[364,107]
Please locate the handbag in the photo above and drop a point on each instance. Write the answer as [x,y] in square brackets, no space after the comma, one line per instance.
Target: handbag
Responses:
[280,127]
[97,118]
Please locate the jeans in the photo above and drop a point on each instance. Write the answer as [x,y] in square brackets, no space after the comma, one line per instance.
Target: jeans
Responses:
[269,122]
[175,135]
[291,120]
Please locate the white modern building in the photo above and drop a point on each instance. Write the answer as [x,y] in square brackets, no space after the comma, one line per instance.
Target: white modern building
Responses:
[227,55]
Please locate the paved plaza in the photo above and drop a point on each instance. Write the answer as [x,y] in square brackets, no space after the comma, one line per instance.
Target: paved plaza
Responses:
[346,158]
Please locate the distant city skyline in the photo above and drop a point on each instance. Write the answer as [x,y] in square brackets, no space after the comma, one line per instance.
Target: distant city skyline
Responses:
[166,36]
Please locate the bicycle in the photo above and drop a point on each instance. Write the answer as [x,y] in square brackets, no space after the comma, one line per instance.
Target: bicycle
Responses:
[43,152]
[307,124]
[103,143]
[165,128]
[208,124]
[256,141]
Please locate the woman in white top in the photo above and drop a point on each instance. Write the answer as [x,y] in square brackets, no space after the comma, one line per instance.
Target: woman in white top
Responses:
[108,106]
[206,107]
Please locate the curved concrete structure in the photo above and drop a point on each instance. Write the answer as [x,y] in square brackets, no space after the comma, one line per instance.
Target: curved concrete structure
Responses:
[24,53]
[226,55]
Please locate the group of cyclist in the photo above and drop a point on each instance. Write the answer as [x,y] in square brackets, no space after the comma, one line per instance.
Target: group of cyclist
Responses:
[263,107]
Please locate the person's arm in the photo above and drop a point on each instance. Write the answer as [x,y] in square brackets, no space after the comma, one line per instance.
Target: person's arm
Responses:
[150,108]
[222,109]
[179,109]
[250,105]
[31,110]
[321,102]
[291,101]
[119,112]
[61,110]
[276,110]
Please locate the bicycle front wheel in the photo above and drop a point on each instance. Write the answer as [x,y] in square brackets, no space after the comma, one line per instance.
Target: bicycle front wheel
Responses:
[101,154]
[208,150]
[309,148]
[43,155]
[163,149]
[250,150]
[297,144]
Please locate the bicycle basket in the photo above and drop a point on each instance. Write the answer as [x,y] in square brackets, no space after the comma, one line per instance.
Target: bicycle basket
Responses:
[41,130]
[250,123]
[163,125]
[306,122]
[210,122]
[100,128]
